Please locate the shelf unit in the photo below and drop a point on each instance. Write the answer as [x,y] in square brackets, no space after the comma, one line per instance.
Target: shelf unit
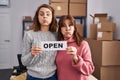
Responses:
[26,25]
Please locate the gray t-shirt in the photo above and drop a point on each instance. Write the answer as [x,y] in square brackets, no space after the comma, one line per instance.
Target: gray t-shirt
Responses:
[42,65]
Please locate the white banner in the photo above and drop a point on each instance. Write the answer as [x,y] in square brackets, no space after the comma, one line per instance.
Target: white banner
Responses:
[54,45]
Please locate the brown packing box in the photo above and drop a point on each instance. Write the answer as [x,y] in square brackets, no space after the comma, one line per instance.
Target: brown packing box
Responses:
[72,1]
[27,18]
[80,29]
[105,53]
[107,72]
[93,31]
[106,26]
[102,19]
[99,17]
[78,1]
[58,1]
[60,8]
[104,35]
[77,9]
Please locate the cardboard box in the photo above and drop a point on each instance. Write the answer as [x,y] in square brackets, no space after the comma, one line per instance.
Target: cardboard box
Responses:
[58,1]
[66,1]
[93,31]
[80,29]
[99,17]
[107,73]
[77,9]
[27,18]
[102,19]
[106,26]
[104,35]
[105,53]
[60,8]
[78,1]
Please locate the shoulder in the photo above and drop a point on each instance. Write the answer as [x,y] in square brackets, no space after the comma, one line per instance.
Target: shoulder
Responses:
[84,43]
[29,34]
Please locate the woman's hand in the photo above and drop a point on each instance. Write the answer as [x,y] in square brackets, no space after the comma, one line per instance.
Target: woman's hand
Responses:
[72,50]
[35,50]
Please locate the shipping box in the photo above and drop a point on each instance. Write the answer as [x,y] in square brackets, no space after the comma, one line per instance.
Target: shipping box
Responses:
[77,9]
[105,53]
[58,1]
[93,31]
[60,8]
[78,1]
[99,17]
[104,35]
[71,1]
[107,72]
[106,26]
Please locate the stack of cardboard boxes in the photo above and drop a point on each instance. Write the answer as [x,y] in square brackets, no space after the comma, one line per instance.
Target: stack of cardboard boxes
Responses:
[102,29]
[72,7]
[105,50]
[105,55]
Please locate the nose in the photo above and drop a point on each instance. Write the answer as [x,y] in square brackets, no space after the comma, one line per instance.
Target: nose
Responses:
[67,28]
[45,16]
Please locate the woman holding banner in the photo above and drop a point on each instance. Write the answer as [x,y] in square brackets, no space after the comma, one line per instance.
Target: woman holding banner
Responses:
[40,64]
[75,63]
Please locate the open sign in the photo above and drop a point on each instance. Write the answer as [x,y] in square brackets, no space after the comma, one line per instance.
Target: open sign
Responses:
[54,45]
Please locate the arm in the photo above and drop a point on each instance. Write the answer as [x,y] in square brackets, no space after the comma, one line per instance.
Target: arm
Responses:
[27,58]
[84,63]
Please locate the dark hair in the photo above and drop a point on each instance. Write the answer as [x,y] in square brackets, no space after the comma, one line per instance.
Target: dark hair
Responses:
[78,38]
[36,24]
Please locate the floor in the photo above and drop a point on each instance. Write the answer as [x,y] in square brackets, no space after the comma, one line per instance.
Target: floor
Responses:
[5,74]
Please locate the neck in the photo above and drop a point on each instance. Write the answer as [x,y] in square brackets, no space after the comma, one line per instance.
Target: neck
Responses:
[67,38]
[44,28]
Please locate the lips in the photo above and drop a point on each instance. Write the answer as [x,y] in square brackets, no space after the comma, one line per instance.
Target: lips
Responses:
[44,21]
[67,33]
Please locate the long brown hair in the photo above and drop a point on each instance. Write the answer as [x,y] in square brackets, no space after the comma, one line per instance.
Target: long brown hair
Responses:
[78,38]
[37,26]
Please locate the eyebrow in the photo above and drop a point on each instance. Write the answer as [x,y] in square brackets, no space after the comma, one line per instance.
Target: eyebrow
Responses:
[45,12]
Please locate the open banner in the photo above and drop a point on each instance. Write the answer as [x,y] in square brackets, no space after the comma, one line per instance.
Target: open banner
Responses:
[54,45]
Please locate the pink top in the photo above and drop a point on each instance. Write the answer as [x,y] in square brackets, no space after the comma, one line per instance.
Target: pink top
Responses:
[68,70]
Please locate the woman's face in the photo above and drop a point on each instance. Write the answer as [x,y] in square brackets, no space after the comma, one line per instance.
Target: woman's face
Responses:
[67,29]
[45,16]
